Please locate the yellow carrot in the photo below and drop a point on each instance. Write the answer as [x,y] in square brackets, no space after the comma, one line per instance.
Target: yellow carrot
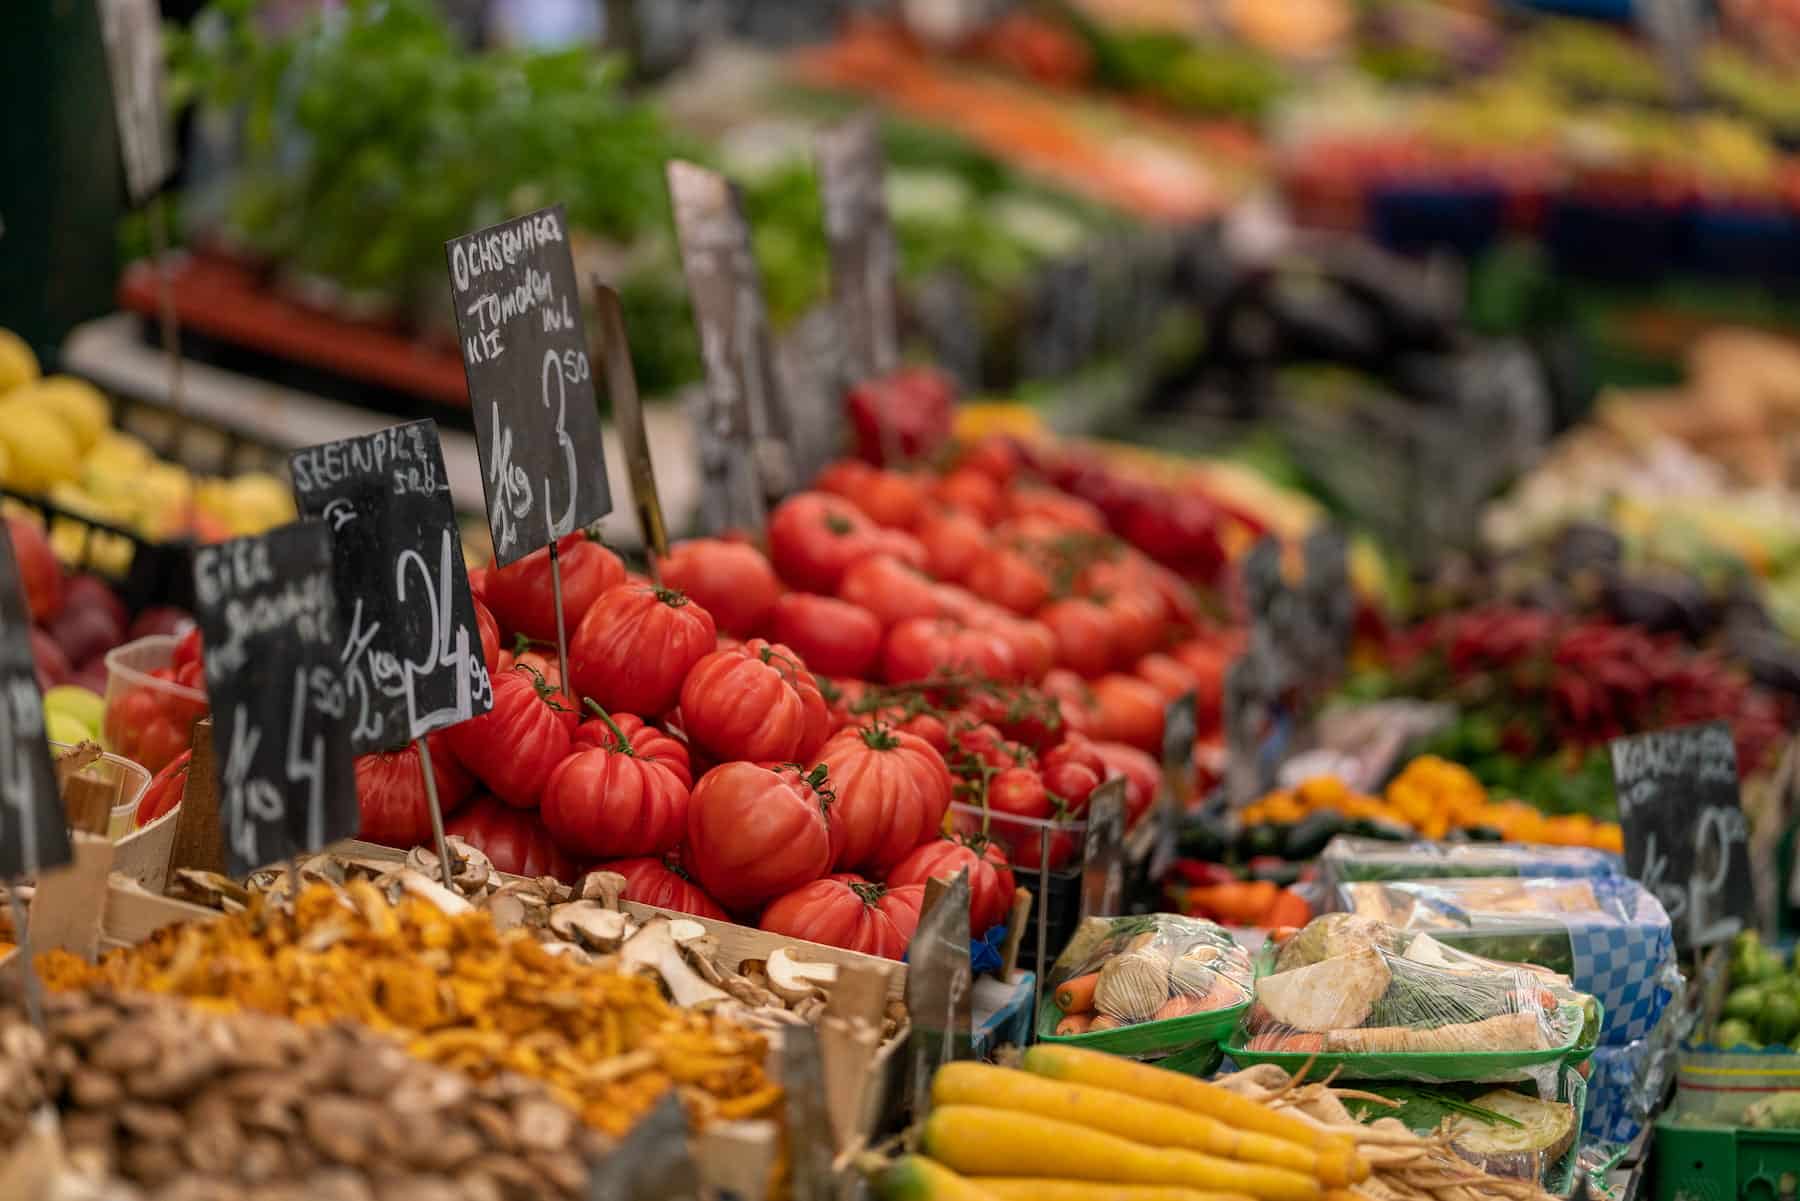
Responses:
[1078,1066]
[1141,1121]
[1022,1188]
[915,1178]
[1076,995]
[979,1141]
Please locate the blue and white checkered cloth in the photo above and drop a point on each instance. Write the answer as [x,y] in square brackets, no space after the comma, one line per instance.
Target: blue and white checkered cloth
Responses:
[1621,956]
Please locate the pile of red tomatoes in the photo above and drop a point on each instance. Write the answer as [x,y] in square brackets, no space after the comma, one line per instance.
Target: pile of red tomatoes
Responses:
[780,737]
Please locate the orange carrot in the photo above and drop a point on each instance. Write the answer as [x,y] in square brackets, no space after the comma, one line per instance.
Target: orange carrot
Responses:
[1180,1007]
[1077,994]
[1103,1022]
[1075,1023]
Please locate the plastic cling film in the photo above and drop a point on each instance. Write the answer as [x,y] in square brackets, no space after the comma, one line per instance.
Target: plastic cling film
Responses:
[1347,859]
[1130,971]
[1353,986]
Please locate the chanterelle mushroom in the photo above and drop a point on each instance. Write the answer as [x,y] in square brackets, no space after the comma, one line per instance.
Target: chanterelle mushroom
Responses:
[652,948]
[795,980]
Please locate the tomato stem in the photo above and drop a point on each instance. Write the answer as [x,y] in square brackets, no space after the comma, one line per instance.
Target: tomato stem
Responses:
[878,737]
[871,893]
[545,693]
[675,598]
[624,746]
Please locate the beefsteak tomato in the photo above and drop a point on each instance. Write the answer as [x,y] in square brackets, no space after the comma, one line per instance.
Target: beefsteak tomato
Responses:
[888,498]
[953,542]
[814,537]
[1143,777]
[754,832]
[1131,711]
[522,597]
[390,792]
[754,701]
[513,747]
[490,637]
[892,791]
[605,730]
[890,589]
[730,580]
[991,885]
[614,801]
[635,646]
[514,839]
[1008,579]
[1083,630]
[832,636]
[922,647]
[661,881]
[850,912]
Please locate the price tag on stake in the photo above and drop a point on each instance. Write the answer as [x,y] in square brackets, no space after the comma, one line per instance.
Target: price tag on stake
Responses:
[411,651]
[628,411]
[939,984]
[1180,729]
[1103,851]
[33,832]
[268,612]
[132,33]
[531,387]
[861,242]
[1686,839]
[743,406]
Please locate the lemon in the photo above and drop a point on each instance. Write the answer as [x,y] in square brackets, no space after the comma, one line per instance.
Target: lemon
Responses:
[79,405]
[40,448]
[79,704]
[60,727]
[18,365]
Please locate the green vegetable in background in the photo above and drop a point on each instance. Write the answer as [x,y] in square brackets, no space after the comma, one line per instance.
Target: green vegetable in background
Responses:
[1779,1020]
[1734,1033]
[1744,1004]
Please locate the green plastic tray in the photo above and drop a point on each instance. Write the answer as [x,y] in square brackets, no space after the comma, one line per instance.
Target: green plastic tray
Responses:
[1698,1161]
[1146,1038]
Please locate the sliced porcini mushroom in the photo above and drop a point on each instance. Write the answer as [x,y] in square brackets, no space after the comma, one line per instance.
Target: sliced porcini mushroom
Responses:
[420,885]
[508,912]
[750,993]
[207,887]
[651,949]
[701,952]
[605,887]
[795,980]
[555,891]
[470,870]
[589,923]
[811,1009]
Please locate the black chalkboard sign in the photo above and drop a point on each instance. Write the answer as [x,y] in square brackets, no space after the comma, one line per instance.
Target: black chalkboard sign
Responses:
[743,407]
[1686,839]
[1180,730]
[132,33]
[861,242]
[34,833]
[268,613]
[411,651]
[531,388]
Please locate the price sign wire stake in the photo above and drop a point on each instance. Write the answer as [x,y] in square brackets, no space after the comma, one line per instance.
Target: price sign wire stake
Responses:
[33,987]
[614,357]
[562,634]
[445,867]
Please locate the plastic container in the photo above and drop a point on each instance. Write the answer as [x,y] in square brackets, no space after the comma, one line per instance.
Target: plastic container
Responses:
[126,779]
[1170,937]
[1055,851]
[1722,1163]
[138,704]
[1610,937]
[1578,1020]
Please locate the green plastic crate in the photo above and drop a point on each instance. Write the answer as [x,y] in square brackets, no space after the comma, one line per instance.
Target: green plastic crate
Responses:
[1725,1163]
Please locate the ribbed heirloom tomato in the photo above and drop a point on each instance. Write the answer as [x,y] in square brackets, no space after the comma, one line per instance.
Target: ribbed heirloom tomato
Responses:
[635,646]
[514,839]
[953,541]
[814,537]
[991,884]
[390,792]
[1010,580]
[660,881]
[490,637]
[893,591]
[850,912]
[892,791]
[620,799]
[647,742]
[1142,776]
[730,580]
[754,832]
[755,701]
[832,636]
[513,747]
[885,497]
[921,647]
[523,599]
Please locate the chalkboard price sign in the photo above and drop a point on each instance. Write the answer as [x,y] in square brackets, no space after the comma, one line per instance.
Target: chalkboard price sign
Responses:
[411,650]
[531,387]
[1686,839]
[268,612]
[33,832]
[743,408]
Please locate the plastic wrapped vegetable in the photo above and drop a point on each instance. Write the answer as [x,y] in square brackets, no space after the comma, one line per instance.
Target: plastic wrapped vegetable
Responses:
[1609,936]
[1138,971]
[1364,988]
